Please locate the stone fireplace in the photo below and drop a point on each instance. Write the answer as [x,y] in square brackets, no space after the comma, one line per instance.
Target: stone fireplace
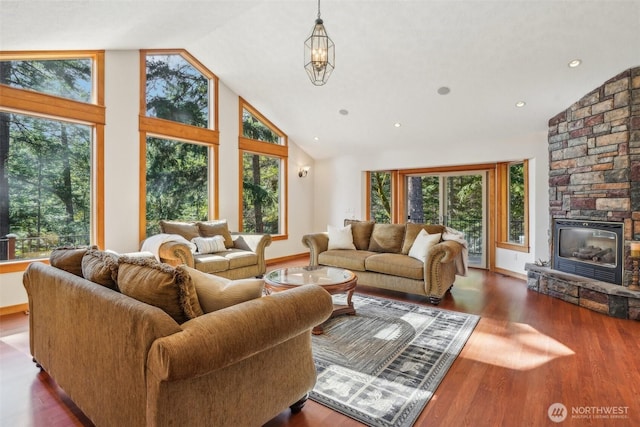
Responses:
[594,176]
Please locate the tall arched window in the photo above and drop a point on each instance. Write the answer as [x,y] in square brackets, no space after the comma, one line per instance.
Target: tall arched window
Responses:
[263,174]
[179,139]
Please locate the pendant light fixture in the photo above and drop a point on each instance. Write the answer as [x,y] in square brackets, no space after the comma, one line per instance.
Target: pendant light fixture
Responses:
[319,53]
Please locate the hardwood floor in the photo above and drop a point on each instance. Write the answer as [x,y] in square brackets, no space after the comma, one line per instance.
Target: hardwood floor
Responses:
[527,352]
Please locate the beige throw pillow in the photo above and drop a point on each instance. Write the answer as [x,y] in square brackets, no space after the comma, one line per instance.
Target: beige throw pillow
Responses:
[101,267]
[387,238]
[188,230]
[69,259]
[209,245]
[215,292]
[423,244]
[159,285]
[216,228]
[340,237]
[361,231]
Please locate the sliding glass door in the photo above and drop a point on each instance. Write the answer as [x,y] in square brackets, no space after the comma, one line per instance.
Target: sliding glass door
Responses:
[457,200]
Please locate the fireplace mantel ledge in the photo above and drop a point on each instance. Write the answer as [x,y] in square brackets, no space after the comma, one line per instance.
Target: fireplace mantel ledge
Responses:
[584,282]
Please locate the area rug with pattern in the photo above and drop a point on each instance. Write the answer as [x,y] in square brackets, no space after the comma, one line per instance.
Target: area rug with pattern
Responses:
[382,365]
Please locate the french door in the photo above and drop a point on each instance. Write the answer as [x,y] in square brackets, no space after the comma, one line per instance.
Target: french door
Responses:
[457,200]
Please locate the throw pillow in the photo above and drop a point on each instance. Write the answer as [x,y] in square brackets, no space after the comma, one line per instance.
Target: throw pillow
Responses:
[101,267]
[361,231]
[340,237]
[188,230]
[69,259]
[160,285]
[423,244]
[387,238]
[209,245]
[216,228]
[412,232]
[215,292]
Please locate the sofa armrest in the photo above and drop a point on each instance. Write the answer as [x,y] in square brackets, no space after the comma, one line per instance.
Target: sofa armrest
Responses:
[221,338]
[251,242]
[439,268]
[317,243]
[176,253]
[450,248]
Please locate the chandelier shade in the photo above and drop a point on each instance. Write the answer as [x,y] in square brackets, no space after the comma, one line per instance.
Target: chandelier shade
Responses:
[319,53]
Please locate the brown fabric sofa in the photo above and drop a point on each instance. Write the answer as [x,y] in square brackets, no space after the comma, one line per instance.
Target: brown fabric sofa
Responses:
[128,363]
[244,255]
[381,258]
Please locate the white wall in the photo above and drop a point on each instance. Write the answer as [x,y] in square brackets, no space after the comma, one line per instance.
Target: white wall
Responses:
[340,184]
[121,165]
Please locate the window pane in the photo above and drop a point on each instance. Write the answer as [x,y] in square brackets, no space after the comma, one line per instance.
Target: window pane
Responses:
[423,199]
[45,191]
[516,203]
[176,91]
[261,194]
[253,128]
[380,209]
[67,78]
[177,182]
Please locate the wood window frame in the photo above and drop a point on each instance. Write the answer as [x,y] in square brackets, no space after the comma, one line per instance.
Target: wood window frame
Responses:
[502,190]
[167,129]
[28,102]
[394,190]
[253,146]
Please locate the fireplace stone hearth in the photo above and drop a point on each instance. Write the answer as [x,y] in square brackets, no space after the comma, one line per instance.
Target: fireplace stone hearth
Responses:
[606,298]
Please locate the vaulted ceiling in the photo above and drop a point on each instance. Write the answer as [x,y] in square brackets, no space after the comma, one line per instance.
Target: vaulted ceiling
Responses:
[391,59]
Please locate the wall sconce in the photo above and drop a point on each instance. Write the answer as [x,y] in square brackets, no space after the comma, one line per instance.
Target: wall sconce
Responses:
[303,171]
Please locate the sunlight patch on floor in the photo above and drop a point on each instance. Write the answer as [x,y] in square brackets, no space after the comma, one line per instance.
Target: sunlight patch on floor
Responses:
[512,345]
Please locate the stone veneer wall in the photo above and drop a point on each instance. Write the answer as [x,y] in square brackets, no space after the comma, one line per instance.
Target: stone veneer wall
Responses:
[594,157]
[594,174]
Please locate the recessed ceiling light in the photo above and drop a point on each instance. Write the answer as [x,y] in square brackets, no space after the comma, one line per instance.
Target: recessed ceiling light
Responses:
[315,138]
[575,63]
[343,112]
[397,124]
[520,104]
[443,90]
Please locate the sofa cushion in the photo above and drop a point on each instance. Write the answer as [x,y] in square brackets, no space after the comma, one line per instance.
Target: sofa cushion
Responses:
[209,245]
[395,265]
[340,237]
[361,231]
[215,292]
[240,258]
[216,228]
[387,238]
[413,230]
[210,263]
[101,267]
[423,244]
[349,259]
[188,230]
[69,258]
[160,285]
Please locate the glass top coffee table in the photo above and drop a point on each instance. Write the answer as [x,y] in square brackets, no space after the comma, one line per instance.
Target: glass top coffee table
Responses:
[334,280]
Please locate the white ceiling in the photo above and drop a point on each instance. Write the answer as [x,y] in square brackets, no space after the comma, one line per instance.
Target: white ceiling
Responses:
[391,58]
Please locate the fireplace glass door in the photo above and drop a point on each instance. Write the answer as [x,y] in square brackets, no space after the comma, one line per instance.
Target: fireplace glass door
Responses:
[589,248]
[588,245]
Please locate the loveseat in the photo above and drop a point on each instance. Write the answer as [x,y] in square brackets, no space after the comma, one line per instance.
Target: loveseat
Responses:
[380,255]
[242,256]
[126,362]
